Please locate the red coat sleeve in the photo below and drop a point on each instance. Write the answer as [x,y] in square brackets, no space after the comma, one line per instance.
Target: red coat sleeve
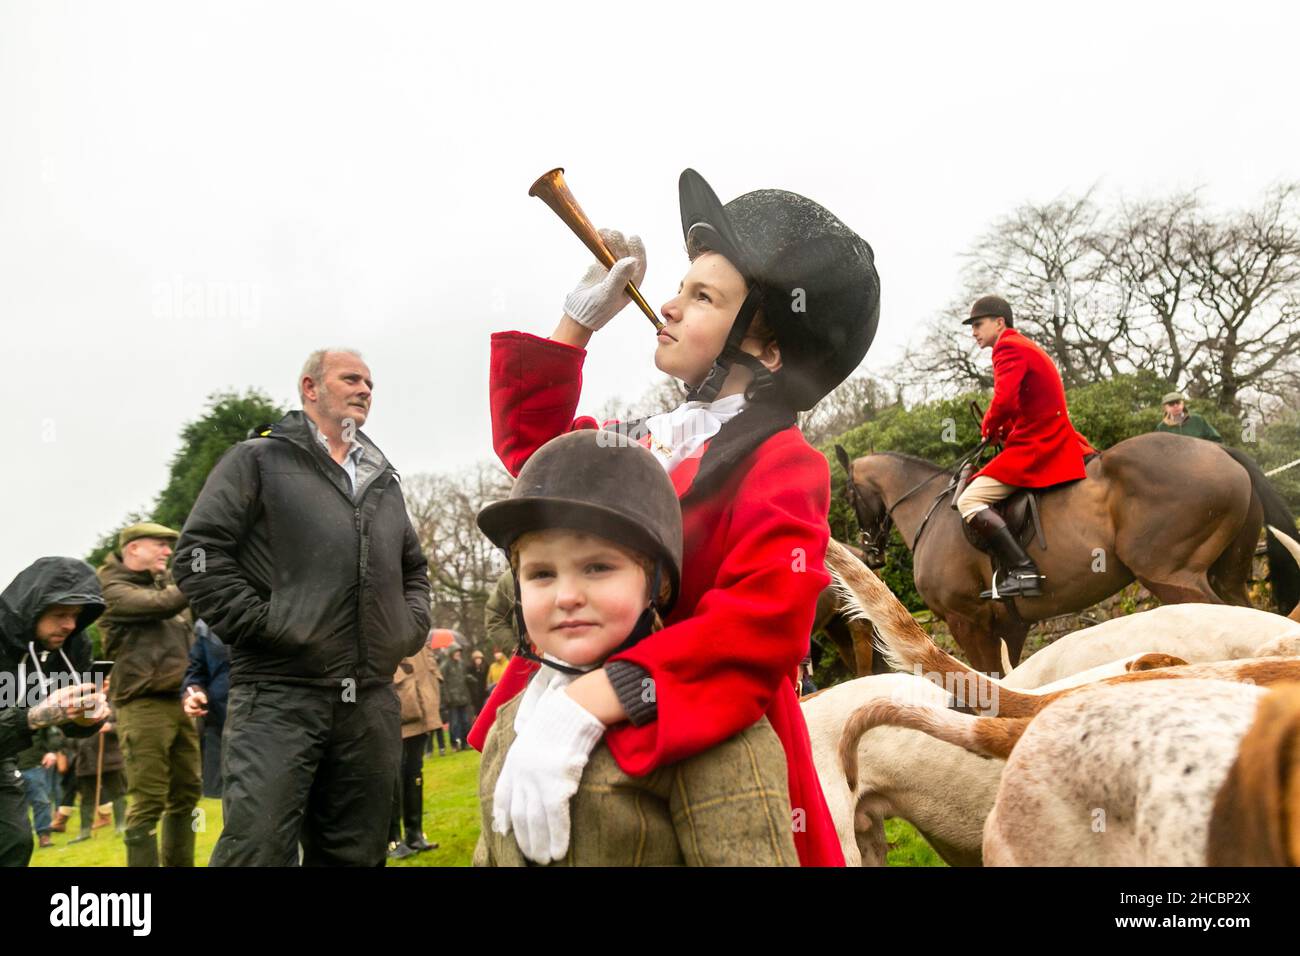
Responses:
[534,386]
[716,671]
[1008,374]
[515,679]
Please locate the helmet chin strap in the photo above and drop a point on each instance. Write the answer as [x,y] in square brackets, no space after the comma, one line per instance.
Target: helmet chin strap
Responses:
[640,630]
[732,354]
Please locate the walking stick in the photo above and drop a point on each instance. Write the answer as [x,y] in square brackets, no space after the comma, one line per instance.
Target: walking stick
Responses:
[99,782]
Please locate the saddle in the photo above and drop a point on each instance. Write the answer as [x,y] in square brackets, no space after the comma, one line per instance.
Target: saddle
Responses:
[1023,515]
[1020,510]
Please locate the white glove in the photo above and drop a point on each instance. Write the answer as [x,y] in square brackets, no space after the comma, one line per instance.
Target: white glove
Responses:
[600,296]
[541,774]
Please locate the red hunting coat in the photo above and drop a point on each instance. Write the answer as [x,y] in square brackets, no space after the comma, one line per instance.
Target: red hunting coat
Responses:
[1028,415]
[754,555]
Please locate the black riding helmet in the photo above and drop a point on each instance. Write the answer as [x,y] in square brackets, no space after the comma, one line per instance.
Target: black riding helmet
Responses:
[813,277]
[602,483]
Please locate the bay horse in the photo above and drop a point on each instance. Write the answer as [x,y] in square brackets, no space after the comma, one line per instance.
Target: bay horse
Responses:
[1181,515]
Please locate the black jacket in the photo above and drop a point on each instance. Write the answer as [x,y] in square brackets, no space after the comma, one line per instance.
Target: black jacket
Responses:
[455,684]
[306,584]
[47,581]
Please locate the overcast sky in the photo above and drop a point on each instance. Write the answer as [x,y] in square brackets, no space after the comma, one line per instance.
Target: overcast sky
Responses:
[195,195]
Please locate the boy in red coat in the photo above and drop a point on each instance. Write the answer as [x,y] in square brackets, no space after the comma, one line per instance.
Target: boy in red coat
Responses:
[1040,447]
[778,307]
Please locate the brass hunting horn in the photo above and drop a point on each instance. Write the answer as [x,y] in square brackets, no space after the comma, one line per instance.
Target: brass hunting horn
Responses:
[551,189]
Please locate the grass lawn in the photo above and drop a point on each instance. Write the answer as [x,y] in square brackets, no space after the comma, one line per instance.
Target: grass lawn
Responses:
[451,819]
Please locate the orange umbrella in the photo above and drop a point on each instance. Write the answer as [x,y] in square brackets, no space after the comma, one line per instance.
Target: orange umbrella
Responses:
[441,637]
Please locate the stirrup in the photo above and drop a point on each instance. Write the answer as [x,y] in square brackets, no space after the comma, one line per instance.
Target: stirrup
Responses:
[1021,584]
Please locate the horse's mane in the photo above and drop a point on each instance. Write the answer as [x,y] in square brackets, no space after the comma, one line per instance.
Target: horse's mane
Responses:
[914,459]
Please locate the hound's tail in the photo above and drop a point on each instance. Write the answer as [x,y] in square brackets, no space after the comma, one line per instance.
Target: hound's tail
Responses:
[904,645]
[908,648]
[984,736]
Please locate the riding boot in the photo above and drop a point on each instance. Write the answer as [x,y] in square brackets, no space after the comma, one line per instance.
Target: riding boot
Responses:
[177,841]
[413,805]
[1021,577]
[141,847]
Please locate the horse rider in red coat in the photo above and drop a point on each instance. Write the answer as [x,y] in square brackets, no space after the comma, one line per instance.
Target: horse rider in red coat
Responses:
[1040,447]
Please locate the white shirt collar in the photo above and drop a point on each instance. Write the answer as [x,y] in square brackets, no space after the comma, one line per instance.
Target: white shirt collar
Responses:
[675,436]
[355,450]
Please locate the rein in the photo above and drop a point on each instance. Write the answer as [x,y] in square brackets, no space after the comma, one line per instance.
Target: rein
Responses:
[887,523]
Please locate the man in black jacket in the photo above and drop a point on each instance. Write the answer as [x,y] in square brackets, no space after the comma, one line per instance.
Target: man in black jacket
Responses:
[44,655]
[300,554]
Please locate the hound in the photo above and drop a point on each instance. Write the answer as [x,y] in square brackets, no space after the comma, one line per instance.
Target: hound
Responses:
[1256,816]
[1194,632]
[908,647]
[1170,773]
[941,789]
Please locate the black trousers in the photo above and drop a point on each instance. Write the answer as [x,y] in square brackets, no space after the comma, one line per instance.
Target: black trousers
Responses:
[408,795]
[210,746]
[15,831]
[309,765]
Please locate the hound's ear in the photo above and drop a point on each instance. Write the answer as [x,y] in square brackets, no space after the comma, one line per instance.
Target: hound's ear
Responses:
[843,457]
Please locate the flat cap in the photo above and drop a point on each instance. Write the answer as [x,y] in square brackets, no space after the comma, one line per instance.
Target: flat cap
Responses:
[145,529]
[1173,397]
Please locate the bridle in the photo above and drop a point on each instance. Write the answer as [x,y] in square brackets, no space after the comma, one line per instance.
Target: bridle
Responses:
[874,544]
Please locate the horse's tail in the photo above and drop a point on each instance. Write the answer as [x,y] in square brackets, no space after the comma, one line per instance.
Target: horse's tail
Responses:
[1283,572]
[1292,545]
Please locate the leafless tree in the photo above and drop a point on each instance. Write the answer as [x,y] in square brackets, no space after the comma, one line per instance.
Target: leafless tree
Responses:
[1146,256]
[463,564]
[858,399]
[1044,260]
[945,361]
[1247,273]
[1211,303]
[663,396]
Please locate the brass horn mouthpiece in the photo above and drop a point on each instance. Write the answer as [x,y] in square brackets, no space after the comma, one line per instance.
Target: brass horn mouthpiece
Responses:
[551,189]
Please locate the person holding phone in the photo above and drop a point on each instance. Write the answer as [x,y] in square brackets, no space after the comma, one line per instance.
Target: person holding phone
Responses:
[44,659]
